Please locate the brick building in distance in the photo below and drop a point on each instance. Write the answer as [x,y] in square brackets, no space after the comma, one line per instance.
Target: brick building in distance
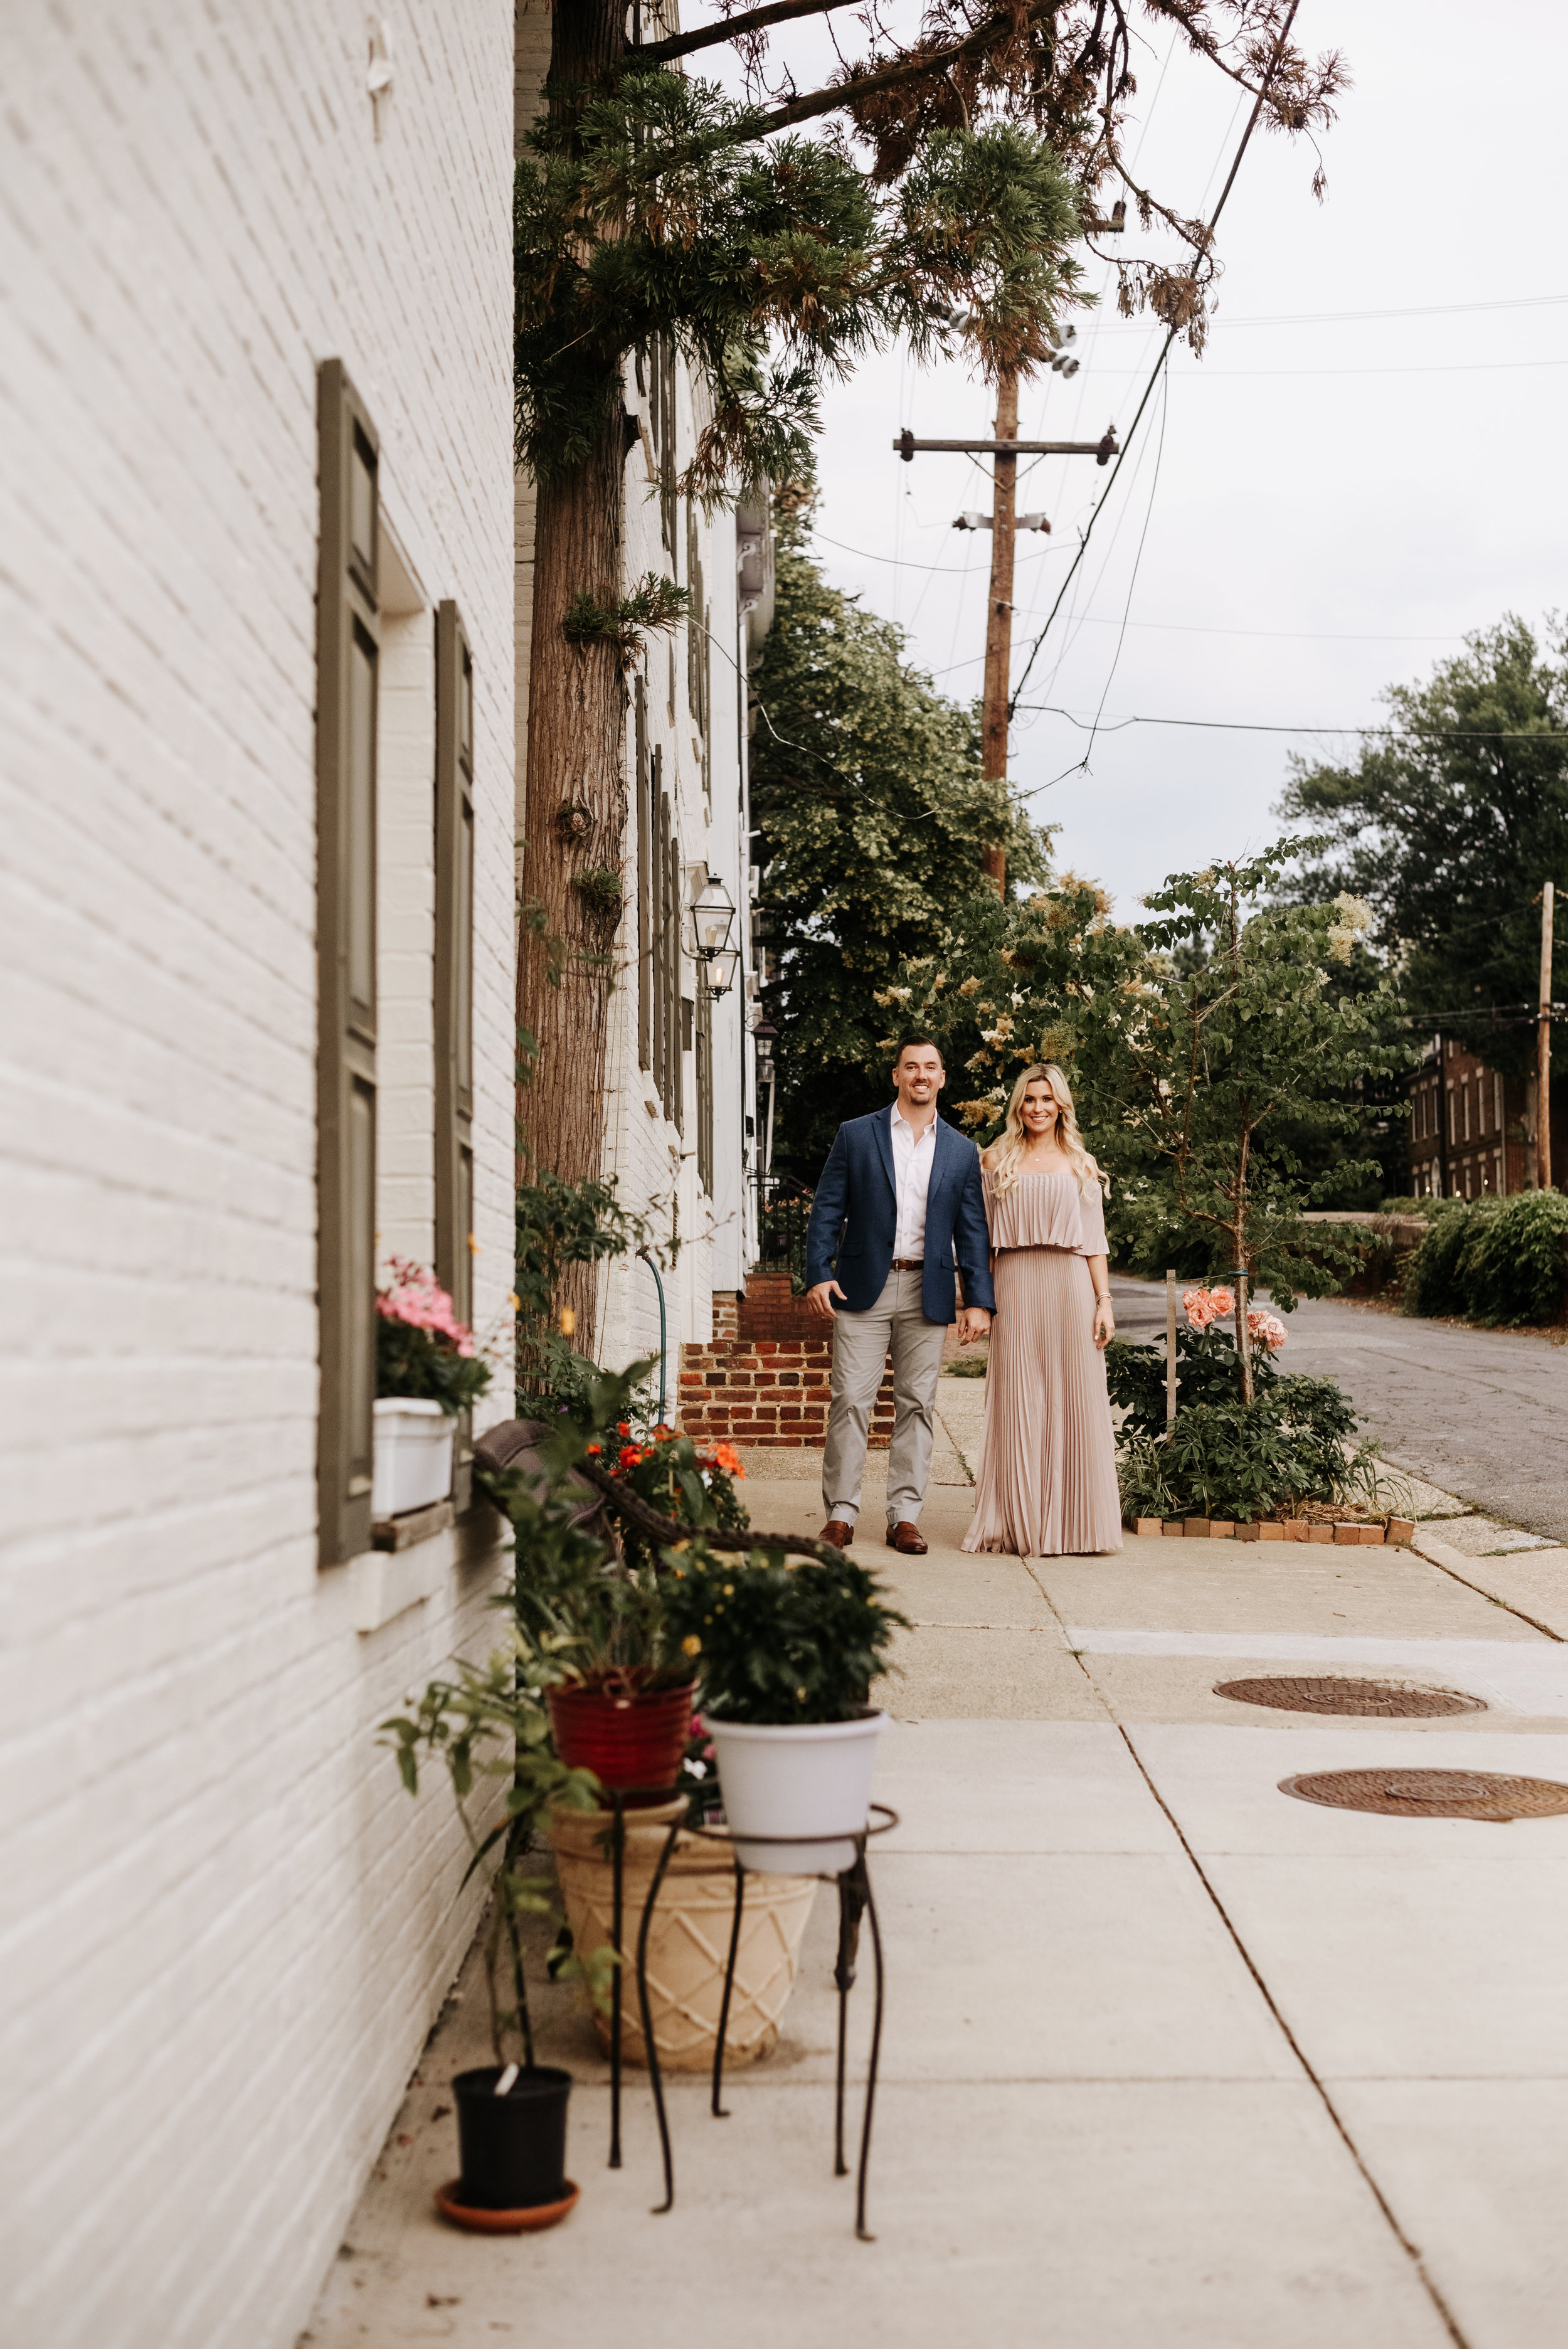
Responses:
[1472,1129]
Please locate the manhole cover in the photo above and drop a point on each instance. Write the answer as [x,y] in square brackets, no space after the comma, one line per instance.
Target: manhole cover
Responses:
[1431,1794]
[1402,1699]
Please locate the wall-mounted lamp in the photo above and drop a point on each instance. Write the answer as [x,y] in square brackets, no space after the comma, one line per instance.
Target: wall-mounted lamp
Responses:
[764,1036]
[712,921]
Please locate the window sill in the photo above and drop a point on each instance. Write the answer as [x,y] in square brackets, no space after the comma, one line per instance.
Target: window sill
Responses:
[415,1526]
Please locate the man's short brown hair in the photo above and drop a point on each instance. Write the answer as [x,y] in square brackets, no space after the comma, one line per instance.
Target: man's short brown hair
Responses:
[917,1044]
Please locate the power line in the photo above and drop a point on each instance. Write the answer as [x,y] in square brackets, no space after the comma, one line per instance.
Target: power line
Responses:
[1347,318]
[1256,375]
[1250,726]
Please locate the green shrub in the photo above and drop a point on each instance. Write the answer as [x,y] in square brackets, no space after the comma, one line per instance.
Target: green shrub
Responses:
[1233,1459]
[1207,1372]
[1493,1261]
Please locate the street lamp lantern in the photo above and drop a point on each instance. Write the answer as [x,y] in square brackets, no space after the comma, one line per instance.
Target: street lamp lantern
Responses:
[712,921]
[764,1036]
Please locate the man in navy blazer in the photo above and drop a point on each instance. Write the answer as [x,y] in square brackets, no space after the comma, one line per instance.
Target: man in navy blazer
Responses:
[898,1204]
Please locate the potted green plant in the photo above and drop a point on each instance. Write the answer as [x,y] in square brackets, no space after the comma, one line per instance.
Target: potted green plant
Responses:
[427,1370]
[511,2114]
[590,1611]
[786,1657]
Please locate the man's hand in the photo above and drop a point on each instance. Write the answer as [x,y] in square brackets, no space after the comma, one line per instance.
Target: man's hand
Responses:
[974,1322]
[820,1300]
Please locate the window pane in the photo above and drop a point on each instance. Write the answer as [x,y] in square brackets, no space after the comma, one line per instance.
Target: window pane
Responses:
[463,1285]
[360,845]
[358,1308]
[464,1039]
[362,506]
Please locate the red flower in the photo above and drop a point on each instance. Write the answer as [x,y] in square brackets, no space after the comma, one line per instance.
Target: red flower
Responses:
[622,1428]
[592,1448]
[630,1458]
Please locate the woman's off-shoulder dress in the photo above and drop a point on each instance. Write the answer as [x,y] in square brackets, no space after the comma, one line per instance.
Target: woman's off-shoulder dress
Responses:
[1047,1485]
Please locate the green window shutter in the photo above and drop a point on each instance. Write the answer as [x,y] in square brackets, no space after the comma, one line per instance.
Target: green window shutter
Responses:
[454,988]
[348,659]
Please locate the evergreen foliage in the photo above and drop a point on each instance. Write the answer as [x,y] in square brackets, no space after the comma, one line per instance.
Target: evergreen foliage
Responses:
[649,208]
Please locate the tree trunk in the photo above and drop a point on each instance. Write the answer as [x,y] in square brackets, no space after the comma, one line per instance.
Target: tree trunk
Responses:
[574,819]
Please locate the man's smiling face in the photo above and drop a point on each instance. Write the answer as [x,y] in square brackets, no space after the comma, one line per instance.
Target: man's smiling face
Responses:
[918,1074]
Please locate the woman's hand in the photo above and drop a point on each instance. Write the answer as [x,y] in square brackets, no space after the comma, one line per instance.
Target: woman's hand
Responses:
[1104,1323]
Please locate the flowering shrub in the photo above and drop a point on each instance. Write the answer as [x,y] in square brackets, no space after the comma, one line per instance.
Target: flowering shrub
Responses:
[1265,1328]
[422,1349]
[696,1488]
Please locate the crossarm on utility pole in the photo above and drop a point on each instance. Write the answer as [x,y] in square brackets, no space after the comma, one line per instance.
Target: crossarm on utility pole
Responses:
[1103,450]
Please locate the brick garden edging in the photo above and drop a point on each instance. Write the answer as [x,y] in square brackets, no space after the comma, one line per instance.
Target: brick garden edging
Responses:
[764,1380]
[1398,1532]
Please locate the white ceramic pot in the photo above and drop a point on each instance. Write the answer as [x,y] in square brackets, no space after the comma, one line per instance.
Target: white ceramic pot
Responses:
[811,1781]
[413,1456]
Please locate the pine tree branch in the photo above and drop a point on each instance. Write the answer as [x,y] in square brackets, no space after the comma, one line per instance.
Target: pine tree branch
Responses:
[732,29]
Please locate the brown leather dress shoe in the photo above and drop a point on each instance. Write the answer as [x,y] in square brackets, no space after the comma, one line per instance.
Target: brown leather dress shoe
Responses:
[838,1531]
[906,1536]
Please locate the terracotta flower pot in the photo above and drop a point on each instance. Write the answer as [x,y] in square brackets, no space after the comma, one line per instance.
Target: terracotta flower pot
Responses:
[629,1737]
[688,1936]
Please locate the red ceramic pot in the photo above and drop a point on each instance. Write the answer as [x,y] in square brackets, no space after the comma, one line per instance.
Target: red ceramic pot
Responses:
[629,1737]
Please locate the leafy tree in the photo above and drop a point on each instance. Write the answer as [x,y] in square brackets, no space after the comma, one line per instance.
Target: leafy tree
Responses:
[941,205]
[1449,828]
[866,789]
[1237,1053]
[1044,978]
[1198,1046]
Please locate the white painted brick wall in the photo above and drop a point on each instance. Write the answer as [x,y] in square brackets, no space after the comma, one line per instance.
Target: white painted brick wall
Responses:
[227,1930]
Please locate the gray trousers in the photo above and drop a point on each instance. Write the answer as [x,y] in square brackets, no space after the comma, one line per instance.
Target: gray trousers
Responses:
[896,1324]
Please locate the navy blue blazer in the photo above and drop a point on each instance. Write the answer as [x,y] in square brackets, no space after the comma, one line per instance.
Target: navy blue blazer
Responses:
[854,1216]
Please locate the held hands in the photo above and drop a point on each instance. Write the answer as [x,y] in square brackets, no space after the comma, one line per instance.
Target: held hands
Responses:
[820,1300]
[973,1322]
[1104,1323]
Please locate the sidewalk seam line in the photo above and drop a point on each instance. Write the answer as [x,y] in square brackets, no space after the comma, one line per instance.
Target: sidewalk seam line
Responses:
[1406,2245]
[1465,1584]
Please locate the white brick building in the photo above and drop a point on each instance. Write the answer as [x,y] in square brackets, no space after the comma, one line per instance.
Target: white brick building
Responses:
[256,264]
[227,1930]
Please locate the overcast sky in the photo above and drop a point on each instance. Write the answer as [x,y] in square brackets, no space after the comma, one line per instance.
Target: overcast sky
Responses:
[1337,499]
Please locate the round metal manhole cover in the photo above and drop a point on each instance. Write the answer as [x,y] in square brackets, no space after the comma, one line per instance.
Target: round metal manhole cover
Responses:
[1371,1700]
[1431,1794]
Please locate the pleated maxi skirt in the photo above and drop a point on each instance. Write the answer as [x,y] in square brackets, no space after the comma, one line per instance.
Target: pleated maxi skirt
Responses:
[1047,1485]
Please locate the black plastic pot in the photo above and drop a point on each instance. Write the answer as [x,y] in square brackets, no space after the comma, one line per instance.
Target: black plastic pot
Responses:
[513,2147]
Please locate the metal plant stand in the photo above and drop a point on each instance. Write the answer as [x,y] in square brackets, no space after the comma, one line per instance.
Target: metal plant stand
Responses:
[855,1903]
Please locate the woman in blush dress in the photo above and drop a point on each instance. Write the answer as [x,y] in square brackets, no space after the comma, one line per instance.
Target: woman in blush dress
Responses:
[1047,1486]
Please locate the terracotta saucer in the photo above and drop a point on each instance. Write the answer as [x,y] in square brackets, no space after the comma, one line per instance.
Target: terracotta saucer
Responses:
[503,2222]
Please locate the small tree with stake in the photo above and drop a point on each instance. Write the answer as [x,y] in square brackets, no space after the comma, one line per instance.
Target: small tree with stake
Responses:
[1247,1038]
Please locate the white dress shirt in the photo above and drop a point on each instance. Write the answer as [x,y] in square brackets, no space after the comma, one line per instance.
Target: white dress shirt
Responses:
[913,1155]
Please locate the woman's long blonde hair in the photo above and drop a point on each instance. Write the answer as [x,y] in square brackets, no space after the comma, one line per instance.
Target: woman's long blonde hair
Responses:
[1004,1160]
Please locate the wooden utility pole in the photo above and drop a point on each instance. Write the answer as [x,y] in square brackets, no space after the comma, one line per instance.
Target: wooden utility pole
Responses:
[1005,448]
[999,612]
[1543,1050]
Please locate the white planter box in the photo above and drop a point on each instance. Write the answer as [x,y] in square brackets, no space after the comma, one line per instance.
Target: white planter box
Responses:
[811,1781]
[413,1456]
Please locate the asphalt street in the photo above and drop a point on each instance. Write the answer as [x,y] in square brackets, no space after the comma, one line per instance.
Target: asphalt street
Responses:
[1479,1413]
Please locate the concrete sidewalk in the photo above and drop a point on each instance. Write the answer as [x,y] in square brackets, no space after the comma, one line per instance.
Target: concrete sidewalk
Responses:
[1170,2058]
